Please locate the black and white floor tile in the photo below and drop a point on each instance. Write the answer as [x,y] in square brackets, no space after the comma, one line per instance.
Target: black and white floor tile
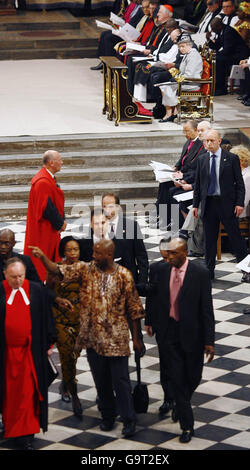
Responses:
[221,403]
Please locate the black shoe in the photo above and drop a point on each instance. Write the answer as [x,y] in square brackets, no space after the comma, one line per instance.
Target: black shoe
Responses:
[76,405]
[97,67]
[64,393]
[129,428]
[107,424]
[246,102]
[246,311]
[243,97]
[174,414]
[169,119]
[186,436]
[26,442]
[195,255]
[183,234]
[245,277]
[165,407]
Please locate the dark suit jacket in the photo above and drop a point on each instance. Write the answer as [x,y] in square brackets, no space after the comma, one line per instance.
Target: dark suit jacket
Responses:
[231,182]
[233,46]
[129,234]
[189,165]
[31,272]
[214,14]
[136,18]
[194,11]
[195,305]
[86,251]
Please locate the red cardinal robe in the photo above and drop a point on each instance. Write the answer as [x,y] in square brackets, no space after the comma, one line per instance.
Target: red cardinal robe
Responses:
[39,230]
[21,409]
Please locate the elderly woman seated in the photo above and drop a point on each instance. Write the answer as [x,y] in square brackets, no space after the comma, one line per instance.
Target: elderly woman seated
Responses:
[191,66]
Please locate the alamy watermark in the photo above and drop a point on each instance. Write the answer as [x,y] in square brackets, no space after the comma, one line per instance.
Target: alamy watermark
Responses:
[162,216]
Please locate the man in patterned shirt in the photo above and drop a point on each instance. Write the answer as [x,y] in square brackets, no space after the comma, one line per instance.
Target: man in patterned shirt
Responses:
[108,299]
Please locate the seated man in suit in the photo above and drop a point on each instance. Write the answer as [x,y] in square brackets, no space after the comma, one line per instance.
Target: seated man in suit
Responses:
[184,174]
[180,312]
[228,13]
[108,40]
[213,8]
[230,49]
[158,42]
[142,79]
[193,228]
[194,10]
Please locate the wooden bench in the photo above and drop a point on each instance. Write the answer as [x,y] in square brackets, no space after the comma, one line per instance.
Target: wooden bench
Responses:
[118,102]
[244,225]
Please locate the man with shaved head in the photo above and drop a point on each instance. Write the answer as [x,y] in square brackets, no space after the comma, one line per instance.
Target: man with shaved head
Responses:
[45,216]
[108,299]
[220,189]
[7,243]
[179,311]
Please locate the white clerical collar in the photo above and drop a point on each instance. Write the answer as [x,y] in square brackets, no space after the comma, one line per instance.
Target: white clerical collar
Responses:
[51,174]
[13,293]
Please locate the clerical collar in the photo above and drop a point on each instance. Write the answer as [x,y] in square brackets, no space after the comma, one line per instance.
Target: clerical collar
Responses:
[13,293]
[51,174]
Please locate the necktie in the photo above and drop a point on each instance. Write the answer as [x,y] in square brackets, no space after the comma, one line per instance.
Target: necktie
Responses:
[175,294]
[112,231]
[191,143]
[211,188]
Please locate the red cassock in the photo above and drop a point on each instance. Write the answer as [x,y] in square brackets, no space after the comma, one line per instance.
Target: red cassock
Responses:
[39,230]
[21,410]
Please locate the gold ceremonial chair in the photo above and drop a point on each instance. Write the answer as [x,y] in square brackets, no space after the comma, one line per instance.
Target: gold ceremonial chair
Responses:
[198,104]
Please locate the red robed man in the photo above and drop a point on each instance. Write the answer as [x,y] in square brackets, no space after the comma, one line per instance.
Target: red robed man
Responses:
[26,333]
[45,216]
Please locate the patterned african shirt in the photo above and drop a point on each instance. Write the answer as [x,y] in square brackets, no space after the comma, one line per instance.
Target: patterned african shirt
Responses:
[107,301]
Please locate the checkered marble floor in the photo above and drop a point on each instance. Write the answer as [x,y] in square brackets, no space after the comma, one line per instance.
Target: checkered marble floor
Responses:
[221,403]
